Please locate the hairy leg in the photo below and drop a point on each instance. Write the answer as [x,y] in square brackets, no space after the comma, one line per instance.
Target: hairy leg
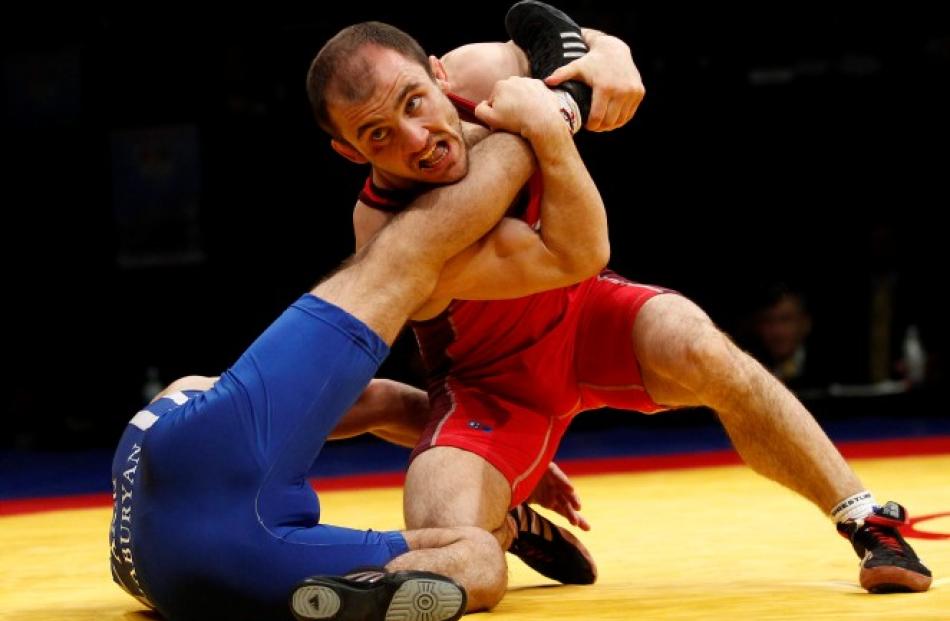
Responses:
[452,552]
[687,361]
[449,487]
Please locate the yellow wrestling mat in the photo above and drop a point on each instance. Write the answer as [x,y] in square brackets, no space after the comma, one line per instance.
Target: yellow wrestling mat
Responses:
[706,543]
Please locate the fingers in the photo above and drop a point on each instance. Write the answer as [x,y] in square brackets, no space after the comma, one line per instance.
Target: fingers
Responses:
[630,104]
[575,518]
[564,73]
[629,110]
[486,114]
[574,500]
[614,101]
[572,516]
[573,508]
[612,104]
[612,108]
[598,110]
[612,120]
[568,504]
[581,522]
[556,471]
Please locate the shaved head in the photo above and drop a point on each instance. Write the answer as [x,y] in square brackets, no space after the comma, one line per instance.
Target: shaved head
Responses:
[341,71]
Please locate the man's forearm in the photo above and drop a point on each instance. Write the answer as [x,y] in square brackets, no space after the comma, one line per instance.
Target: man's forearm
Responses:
[447,219]
[402,263]
[573,219]
[391,410]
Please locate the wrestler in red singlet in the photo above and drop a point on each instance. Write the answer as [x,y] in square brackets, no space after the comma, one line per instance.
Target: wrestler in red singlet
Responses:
[505,377]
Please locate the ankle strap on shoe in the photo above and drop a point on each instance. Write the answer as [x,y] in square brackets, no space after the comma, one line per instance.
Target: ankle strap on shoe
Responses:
[891,514]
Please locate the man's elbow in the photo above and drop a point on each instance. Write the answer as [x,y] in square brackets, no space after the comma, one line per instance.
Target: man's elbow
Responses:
[597,256]
[596,253]
[600,255]
[586,262]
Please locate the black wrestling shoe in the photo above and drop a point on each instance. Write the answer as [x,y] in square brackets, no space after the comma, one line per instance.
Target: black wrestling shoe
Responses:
[888,563]
[550,39]
[379,596]
[550,550]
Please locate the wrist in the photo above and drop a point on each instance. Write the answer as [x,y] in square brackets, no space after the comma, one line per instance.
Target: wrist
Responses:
[549,141]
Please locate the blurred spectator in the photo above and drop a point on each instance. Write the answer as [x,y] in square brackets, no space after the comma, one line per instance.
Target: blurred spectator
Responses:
[780,329]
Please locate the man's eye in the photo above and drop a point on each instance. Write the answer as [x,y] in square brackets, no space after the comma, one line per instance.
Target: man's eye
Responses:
[413,103]
[378,134]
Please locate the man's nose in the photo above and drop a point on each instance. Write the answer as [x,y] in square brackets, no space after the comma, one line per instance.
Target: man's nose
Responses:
[416,135]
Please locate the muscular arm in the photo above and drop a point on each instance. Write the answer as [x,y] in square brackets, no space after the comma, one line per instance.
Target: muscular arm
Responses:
[402,262]
[393,411]
[472,71]
[444,221]
[514,260]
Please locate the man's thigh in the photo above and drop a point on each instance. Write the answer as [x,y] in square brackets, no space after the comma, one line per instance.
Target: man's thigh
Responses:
[448,486]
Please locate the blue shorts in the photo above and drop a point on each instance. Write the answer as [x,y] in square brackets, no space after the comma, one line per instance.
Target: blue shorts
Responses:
[213,515]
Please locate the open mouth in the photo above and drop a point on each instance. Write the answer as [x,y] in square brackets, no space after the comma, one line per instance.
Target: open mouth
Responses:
[434,156]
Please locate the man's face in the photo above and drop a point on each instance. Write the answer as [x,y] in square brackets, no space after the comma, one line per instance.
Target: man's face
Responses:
[783,327]
[407,128]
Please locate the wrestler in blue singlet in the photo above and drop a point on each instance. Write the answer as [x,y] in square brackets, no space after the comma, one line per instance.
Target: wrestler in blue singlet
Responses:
[213,515]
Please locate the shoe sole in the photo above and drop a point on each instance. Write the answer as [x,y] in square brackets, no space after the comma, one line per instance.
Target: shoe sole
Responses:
[894,580]
[417,599]
[315,602]
[425,600]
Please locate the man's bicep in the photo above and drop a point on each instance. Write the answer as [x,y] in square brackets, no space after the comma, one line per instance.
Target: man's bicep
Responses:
[510,262]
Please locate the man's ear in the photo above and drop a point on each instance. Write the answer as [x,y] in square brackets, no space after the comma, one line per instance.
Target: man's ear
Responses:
[438,70]
[346,150]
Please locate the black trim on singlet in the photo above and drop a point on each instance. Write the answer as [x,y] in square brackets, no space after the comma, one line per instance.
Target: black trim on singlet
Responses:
[391,201]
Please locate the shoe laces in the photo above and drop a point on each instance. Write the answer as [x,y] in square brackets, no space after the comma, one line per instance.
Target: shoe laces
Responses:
[528,520]
[886,536]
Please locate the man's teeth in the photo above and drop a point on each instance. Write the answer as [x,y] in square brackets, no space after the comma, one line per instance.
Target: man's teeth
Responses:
[433,156]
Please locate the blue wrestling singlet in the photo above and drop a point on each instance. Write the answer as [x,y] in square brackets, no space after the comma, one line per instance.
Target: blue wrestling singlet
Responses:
[213,516]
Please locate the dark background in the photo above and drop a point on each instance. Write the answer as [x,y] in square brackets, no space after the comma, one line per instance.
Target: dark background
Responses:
[774,143]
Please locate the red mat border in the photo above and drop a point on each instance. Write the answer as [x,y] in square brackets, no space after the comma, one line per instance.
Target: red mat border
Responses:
[934,445]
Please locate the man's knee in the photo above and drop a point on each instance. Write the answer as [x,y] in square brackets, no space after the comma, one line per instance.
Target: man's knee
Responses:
[711,352]
[447,487]
[718,371]
[489,560]
[675,338]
